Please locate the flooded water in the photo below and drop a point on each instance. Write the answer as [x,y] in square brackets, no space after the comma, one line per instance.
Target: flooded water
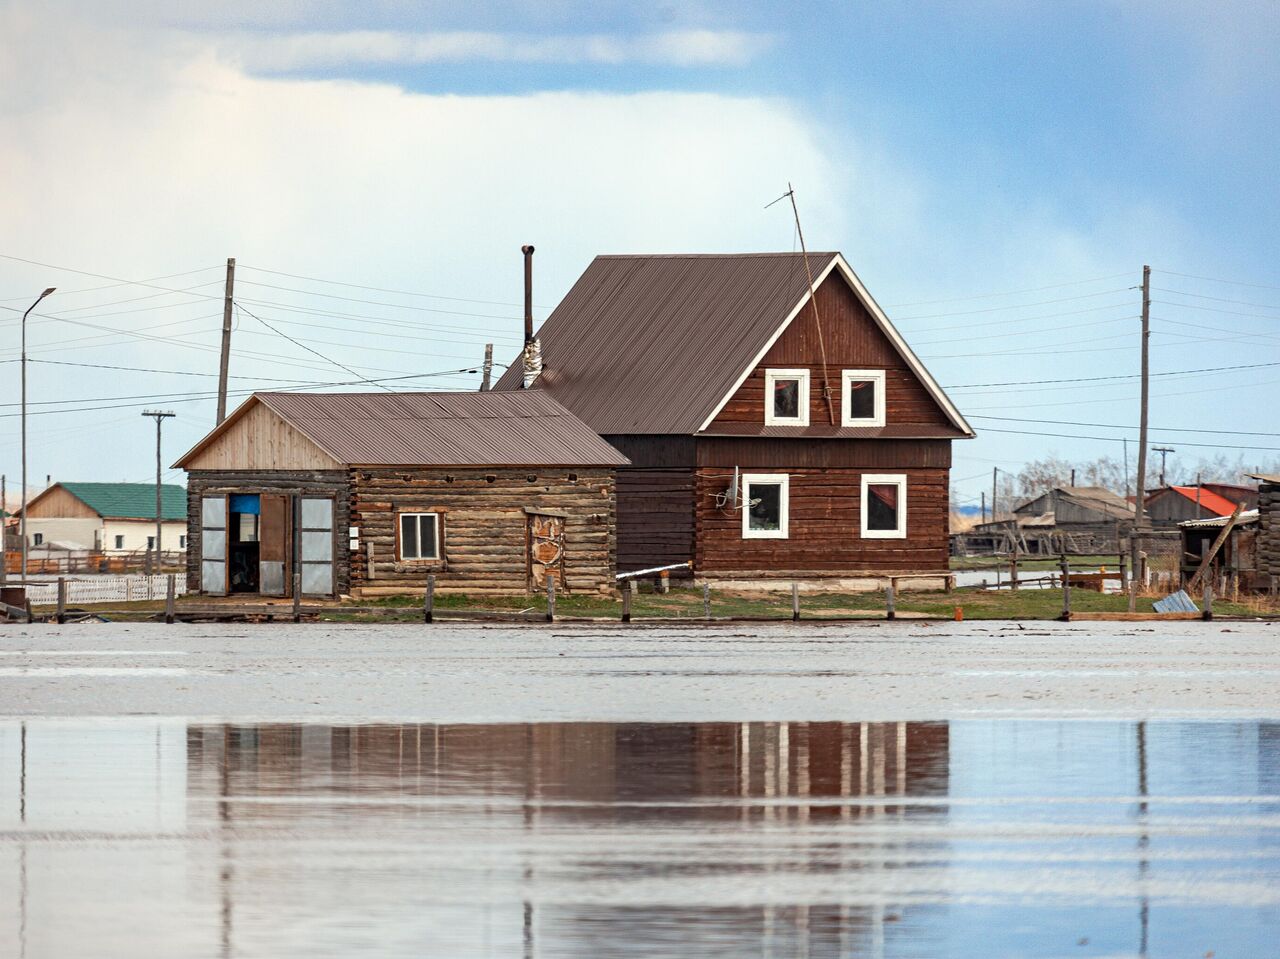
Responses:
[991,838]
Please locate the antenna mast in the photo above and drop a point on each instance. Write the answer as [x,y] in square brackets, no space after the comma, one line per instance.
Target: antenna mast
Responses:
[813,300]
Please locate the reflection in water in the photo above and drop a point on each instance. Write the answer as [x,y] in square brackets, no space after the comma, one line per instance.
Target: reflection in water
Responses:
[580,839]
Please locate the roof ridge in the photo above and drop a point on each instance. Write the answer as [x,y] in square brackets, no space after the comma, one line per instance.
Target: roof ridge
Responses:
[709,256]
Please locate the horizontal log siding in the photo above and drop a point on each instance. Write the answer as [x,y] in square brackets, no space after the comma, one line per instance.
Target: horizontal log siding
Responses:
[302,482]
[655,518]
[824,527]
[484,526]
[1269,534]
[852,341]
[767,455]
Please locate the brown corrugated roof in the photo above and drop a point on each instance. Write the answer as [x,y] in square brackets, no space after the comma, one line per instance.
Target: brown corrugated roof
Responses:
[526,428]
[656,344]
[650,344]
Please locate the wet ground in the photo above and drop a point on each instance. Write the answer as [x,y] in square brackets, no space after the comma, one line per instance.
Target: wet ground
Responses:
[606,793]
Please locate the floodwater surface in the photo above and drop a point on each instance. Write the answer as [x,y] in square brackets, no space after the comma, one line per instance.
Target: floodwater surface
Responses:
[991,838]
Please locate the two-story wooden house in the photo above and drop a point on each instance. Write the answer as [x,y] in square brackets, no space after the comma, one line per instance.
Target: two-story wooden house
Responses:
[771,433]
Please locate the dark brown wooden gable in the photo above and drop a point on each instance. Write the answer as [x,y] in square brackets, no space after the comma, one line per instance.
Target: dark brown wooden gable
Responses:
[853,341]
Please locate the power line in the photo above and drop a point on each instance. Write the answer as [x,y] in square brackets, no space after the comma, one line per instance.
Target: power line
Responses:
[262,379]
[1117,439]
[110,286]
[1214,309]
[1121,376]
[304,346]
[1218,299]
[1015,306]
[988,296]
[1214,279]
[1005,335]
[382,303]
[381,289]
[1118,426]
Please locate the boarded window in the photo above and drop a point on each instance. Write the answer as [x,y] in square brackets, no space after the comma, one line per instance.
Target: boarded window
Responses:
[419,537]
[765,506]
[786,398]
[884,506]
[863,402]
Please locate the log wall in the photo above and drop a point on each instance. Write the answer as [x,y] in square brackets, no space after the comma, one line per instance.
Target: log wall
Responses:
[1269,537]
[824,527]
[483,537]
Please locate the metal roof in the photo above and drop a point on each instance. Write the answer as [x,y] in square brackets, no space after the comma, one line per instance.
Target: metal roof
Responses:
[127,500]
[1272,479]
[656,344]
[1214,502]
[1244,519]
[525,428]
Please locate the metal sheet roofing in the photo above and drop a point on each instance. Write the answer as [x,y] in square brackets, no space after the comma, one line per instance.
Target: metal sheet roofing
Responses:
[1244,519]
[130,500]
[525,428]
[1213,502]
[651,344]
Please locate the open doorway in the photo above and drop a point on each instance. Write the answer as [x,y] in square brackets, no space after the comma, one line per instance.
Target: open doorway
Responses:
[243,543]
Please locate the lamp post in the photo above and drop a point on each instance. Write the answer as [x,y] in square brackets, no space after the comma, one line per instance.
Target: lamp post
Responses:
[23,529]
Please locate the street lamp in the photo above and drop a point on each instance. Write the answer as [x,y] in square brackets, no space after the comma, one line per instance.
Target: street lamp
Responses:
[23,529]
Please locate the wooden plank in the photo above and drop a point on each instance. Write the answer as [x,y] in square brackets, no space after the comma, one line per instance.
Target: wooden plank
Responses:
[1130,617]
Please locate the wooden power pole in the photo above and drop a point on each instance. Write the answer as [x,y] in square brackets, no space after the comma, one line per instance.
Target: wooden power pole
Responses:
[487,368]
[159,416]
[225,362]
[1140,485]
[994,471]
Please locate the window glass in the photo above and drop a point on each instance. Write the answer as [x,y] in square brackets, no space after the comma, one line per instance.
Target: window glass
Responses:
[37,538]
[862,399]
[182,542]
[151,542]
[119,542]
[248,527]
[418,536]
[765,508]
[882,506]
[786,398]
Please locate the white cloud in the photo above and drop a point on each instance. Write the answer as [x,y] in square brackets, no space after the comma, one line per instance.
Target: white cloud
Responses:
[261,52]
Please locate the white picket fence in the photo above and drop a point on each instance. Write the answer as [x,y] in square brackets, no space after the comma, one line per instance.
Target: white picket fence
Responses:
[104,589]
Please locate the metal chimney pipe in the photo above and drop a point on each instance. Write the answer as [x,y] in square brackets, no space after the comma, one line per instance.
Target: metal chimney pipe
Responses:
[527,250]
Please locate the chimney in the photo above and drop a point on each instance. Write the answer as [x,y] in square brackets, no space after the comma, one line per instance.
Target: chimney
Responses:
[532,348]
[527,250]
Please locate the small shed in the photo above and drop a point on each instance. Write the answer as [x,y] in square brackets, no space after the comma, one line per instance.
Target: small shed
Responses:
[366,493]
[1237,562]
[1171,505]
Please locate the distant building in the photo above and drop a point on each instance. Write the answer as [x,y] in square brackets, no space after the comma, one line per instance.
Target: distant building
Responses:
[110,518]
[1172,505]
[1086,518]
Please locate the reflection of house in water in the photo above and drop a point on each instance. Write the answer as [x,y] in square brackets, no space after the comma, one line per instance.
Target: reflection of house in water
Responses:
[603,807]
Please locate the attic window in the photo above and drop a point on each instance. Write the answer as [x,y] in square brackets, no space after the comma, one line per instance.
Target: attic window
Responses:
[862,398]
[786,397]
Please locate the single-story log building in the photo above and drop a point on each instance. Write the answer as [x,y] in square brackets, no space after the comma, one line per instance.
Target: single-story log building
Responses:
[365,494]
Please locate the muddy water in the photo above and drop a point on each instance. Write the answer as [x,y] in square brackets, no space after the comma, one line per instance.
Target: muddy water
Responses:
[983,838]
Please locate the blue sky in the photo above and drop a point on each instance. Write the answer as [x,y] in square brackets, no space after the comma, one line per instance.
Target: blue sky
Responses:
[956,153]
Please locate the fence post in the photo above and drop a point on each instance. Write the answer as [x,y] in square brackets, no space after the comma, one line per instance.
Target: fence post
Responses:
[297,597]
[170,592]
[1066,589]
[62,600]
[551,598]
[889,612]
[795,602]
[1124,576]
[626,600]
[1208,598]
[706,600]
[1013,569]
[429,599]
[128,589]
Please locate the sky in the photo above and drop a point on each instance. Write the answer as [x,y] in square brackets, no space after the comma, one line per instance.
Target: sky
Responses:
[997,173]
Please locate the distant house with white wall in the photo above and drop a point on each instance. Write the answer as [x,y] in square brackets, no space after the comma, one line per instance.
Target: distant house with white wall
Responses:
[110,518]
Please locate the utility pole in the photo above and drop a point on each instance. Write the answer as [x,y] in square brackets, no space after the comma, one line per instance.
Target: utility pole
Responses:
[1073,477]
[984,506]
[159,416]
[1163,451]
[1125,441]
[4,530]
[994,471]
[1140,486]
[488,367]
[225,362]
[1199,486]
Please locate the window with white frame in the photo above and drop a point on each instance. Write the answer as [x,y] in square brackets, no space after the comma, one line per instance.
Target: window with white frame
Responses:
[37,539]
[119,541]
[419,536]
[786,397]
[862,398]
[765,505]
[884,506]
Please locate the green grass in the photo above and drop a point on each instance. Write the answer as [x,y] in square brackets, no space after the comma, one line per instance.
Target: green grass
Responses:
[1110,561]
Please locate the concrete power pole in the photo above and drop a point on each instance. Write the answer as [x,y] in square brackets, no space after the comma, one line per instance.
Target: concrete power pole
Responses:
[225,362]
[1140,486]
[159,416]
[488,367]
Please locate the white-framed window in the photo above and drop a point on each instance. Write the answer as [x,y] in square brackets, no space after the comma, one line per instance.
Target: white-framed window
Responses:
[37,539]
[419,536]
[884,506]
[765,505]
[862,398]
[786,397]
[119,541]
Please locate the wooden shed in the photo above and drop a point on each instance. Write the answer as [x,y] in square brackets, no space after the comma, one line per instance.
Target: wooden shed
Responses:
[1269,523]
[366,493]
[1085,518]
[1171,505]
[773,433]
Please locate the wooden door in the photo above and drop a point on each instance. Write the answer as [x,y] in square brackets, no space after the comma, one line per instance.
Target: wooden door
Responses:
[544,536]
[316,539]
[273,544]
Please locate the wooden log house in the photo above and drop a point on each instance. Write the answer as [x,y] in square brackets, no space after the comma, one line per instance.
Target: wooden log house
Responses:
[772,434]
[365,494]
